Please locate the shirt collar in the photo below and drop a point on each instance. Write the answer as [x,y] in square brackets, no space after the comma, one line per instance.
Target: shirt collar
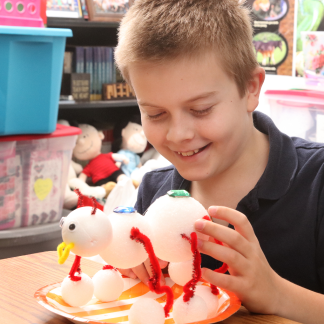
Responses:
[280,170]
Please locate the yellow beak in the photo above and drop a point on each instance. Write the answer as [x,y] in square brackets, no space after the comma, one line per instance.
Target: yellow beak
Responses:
[63,251]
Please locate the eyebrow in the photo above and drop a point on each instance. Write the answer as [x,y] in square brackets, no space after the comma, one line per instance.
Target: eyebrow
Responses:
[193,99]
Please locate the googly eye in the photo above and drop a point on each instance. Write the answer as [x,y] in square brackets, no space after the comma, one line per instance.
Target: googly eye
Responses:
[72,227]
[62,221]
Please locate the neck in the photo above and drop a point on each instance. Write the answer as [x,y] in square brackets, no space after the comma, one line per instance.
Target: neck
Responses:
[231,185]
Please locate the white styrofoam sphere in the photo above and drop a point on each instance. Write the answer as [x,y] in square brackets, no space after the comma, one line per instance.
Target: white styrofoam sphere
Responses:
[169,218]
[193,310]
[123,252]
[210,299]
[108,284]
[181,272]
[146,311]
[89,233]
[77,293]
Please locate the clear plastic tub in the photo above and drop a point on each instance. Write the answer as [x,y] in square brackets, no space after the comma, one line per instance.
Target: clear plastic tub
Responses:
[31,65]
[34,176]
[298,113]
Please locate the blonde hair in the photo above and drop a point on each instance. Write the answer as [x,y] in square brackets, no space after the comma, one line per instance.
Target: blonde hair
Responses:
[159,30]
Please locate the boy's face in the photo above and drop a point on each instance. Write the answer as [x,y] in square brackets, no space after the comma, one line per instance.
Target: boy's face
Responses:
[193,115]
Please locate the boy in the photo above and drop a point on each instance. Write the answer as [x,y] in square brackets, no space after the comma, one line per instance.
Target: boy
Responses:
[193,69]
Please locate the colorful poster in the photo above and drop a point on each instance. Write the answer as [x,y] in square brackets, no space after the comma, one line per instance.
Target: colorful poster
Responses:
[273,23]
[310,17]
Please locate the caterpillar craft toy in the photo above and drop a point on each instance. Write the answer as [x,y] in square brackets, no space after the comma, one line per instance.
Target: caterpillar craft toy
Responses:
[125,239]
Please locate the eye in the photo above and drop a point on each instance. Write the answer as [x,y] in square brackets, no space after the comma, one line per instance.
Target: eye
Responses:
[155,116]
[62,221]
[202,112]
[72,227]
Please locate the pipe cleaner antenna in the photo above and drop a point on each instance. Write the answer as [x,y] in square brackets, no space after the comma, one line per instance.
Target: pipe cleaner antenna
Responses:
[84,201]
[221,269]
[154,281]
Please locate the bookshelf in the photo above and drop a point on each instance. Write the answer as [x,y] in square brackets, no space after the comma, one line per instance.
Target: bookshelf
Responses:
[92,33]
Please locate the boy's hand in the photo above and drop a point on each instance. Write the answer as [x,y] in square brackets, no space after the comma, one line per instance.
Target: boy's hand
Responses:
[251,279]
[143,271]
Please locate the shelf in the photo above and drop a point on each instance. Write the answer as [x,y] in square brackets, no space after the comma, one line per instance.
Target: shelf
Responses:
[87,33]
[79,22]
[97,104]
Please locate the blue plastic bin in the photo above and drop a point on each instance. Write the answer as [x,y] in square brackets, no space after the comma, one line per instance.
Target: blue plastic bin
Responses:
[31,65]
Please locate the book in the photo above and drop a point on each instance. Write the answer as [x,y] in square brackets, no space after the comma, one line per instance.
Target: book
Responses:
[95,73]
[89,68]
[67,65]
[100,73]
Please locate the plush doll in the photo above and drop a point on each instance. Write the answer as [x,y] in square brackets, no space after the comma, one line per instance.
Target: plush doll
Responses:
[129,140]
[73,182]
[101,167]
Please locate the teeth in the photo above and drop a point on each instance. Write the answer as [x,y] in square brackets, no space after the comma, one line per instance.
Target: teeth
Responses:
[188,153]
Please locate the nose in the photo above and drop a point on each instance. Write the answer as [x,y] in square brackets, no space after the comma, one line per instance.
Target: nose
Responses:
[181,128]
[81,141]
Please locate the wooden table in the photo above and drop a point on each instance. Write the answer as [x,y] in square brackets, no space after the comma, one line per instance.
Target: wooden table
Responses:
[21,276]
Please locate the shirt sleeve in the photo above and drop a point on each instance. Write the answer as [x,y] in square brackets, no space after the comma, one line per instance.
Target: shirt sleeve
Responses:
[87,170]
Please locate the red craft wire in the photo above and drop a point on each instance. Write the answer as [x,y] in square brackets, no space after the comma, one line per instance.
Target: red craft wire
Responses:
[154,281]
[190,286]
[75,268]
[221,269]
[84,201]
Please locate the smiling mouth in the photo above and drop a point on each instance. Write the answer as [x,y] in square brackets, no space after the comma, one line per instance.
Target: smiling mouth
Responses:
[190,153]
[86,149]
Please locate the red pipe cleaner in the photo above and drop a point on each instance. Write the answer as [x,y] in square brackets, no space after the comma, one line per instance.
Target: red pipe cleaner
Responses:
[75,268]
[190,286]
[84,201]
[154,281]
[221,269]
[108,267]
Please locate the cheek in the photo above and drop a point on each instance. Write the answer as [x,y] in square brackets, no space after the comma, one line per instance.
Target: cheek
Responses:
[153,133]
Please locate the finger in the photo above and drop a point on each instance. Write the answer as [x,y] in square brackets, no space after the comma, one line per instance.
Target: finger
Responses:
[232,258]
[141,273]
[128,273]
[163,263]
[224,281]
[237,219]
[230,237]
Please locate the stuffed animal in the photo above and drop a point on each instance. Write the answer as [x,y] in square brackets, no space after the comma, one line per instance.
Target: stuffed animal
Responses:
[70,197]
[129,140]
[102,168]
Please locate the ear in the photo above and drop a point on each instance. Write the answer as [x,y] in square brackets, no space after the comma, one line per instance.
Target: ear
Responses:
[254,88]
[101,135]
[123,132]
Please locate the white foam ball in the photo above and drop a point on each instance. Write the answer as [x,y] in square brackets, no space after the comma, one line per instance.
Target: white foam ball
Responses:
[181,272]
[108,284]
[123,252]
[146,311]
[77,293]
[169,218]
[193,310]
[89,233]
[210,299]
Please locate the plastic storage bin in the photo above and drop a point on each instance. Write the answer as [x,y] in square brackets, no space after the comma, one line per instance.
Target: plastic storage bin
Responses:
[33,176]
[31,65]
[298,113]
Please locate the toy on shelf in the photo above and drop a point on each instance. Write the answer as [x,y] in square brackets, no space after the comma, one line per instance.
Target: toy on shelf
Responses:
[122,237]
[23,13]
[129,140]
[102,168]
[70,197]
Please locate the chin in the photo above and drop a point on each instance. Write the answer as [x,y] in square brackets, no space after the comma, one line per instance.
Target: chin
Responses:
[193,175]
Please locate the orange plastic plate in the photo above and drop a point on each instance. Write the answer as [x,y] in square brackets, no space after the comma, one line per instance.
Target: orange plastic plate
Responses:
[117,311]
